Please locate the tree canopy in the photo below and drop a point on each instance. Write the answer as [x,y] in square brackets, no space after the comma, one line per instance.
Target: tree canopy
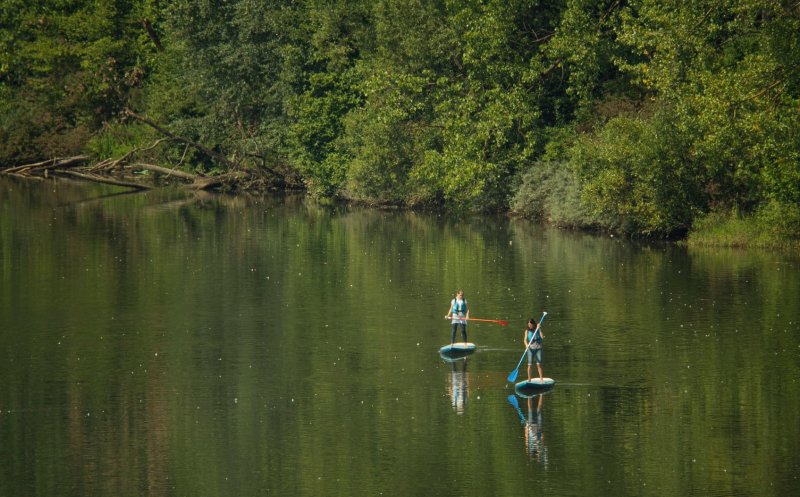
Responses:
[638,116]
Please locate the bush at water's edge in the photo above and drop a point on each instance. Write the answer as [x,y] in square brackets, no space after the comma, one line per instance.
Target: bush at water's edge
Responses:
[774,226]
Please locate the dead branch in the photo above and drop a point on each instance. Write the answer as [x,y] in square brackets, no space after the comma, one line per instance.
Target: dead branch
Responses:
[104,170]
[210,153]
[214,155]
[766,89]
[107,180]
[112,164]
[153,35]
[207,183]
[103,164]
[183,157]
[142,149]
[24,176]
[55,163]
[165,171]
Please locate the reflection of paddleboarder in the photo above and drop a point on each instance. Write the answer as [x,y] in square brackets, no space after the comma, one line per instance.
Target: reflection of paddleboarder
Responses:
[459,386]
[459,312]
[533,431]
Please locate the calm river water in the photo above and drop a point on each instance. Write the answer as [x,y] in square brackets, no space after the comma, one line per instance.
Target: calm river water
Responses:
[170,344]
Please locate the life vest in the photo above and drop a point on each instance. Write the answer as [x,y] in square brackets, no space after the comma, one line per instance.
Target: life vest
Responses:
[459,307]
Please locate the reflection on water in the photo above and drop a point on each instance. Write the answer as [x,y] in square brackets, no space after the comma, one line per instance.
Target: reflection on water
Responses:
[176,344]
[459,385]
[533,431]
[532,426]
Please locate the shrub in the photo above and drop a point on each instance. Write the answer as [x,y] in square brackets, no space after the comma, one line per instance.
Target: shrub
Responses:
[774,225]
[551,191]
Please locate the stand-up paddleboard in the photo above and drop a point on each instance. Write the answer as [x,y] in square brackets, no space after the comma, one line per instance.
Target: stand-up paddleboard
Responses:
[457,350]
[535,385]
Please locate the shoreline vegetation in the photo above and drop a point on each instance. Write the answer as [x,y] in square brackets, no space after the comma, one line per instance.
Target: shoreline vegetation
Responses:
[658,120]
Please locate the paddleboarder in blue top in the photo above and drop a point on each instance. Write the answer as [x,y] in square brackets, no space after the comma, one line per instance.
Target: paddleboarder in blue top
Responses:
[533,342]
[459,313]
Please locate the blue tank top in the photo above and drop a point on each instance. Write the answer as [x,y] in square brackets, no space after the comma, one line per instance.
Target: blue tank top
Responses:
[535,338]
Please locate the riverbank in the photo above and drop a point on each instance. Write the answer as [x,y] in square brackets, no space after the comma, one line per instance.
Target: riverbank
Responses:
[774,228]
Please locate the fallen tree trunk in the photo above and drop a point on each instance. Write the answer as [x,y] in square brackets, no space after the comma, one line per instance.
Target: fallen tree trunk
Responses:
[55,163]
[108,181]
[122,171]
[102,173]
[208,182]
[166,172]
[212,154]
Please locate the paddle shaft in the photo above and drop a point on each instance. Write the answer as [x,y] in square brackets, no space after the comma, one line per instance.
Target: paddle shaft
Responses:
[513,375]
[498,321]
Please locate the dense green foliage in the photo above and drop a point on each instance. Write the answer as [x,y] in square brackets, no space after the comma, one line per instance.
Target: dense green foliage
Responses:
[66,69]
[634,116]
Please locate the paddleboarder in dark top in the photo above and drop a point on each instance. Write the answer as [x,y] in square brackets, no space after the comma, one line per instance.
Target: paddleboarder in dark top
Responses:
[459,312]
[532,339]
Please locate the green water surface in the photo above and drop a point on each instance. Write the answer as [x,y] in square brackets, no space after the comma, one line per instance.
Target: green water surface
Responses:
[176,344]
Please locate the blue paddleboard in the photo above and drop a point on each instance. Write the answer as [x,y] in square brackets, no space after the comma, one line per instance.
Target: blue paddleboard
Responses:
[458,349]
[535,385]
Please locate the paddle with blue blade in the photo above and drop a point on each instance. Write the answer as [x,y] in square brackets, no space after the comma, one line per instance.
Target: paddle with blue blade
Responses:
[513,376]
[512,399]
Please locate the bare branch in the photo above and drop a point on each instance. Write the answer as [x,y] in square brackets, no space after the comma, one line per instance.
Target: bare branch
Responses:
[165,171]
[153,35]
[214,155]
[108,181]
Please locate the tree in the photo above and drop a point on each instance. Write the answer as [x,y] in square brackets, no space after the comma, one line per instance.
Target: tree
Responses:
[336,36]
[65,69]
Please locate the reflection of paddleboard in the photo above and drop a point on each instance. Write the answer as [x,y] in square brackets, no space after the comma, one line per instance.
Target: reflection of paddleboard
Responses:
[457,349]
[531,393]
[535,385]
